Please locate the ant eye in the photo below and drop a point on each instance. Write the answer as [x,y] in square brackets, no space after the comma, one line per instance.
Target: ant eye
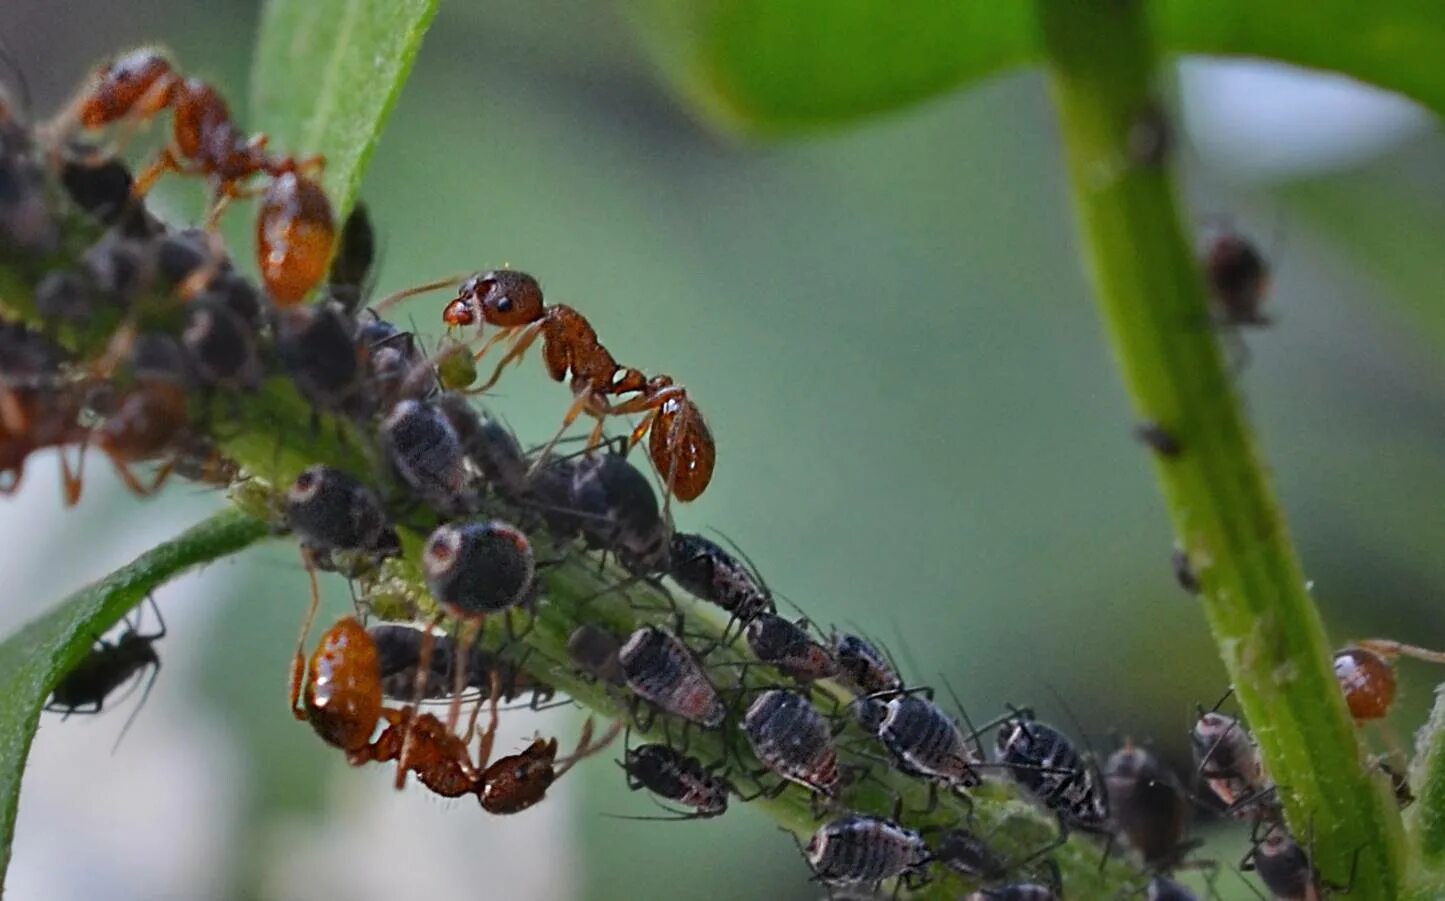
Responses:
[504,303]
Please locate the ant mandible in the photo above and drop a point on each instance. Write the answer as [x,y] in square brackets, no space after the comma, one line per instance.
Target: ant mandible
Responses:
[681,445]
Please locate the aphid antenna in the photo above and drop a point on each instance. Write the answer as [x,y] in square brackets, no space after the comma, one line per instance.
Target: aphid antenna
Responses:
[973,734]
[155,669]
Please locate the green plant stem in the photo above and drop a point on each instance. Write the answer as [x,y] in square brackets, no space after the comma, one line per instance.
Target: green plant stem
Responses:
[270,433]
[1101,67]
[1427,817]
[60,638]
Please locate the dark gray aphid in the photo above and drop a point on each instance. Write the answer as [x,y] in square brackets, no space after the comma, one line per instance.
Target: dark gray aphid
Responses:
[712,574]
[1148,805]
[597,651]
[1045,762]
[659,668]
[477,568]
[677,777]
[862,667]
[489,445]
[970,856]
[926,742]
[332,511]
[865,850]
[221,346]
[317,346]
[787,646]
[421,446]
[790,737]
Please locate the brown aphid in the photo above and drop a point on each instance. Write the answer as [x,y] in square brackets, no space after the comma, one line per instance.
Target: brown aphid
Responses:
[295,232]
[1367,681]
[1238,278]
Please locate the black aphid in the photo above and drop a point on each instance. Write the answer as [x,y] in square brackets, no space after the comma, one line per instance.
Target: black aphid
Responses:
[597,652]
[1238,278]
[107,667]
[221,346]
[862,667]
[477,568]
[317,346]
[1148,805]
[970,856]
[672,775]
[421,446]
[925,741]
[331,510]
[1045,762]
[659,668]
[489,445]
[708,572]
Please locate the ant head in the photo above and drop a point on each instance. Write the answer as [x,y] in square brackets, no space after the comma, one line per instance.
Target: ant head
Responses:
[120,85]
[503,297]
[458,313]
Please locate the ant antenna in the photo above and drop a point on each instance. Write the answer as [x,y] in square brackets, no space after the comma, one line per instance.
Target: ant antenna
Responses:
[397,297]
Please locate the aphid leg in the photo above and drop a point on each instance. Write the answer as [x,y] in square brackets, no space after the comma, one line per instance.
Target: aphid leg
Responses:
[155,668]
[298,663]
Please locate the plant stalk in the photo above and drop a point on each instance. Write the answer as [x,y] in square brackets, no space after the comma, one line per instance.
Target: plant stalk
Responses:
[1102,67]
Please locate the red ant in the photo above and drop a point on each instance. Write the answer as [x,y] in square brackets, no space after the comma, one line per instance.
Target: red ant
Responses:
[1366,673]
[681,445]
[295,227]
[342,700]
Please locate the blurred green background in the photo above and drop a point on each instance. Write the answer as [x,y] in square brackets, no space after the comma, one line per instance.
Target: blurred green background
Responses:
[919,430]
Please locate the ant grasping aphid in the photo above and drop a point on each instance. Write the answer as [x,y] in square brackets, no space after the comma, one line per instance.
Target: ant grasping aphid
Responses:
[681,446]
[1366,674]
[107,667]
[860,850]
[473,570]
[398,648]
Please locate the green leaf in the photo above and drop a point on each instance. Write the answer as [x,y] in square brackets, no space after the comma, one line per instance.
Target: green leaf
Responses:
[326,75]
[34,659]
[760,66]
[1395,44]
[765,66]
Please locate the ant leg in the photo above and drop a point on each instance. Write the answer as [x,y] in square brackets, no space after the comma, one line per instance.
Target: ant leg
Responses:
[484,750]
[122,468]
[459,666]
[166,162]
[298,664]
[423,676]
[12,413]
[518,348]
[573,412]
[70,479]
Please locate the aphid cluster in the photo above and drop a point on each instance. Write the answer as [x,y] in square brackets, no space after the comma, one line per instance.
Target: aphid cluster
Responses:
[813,711]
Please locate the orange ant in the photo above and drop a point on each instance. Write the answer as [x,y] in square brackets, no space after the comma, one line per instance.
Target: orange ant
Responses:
[1366,673]
[38,408]
[295,226]
[342,699]
[681,445]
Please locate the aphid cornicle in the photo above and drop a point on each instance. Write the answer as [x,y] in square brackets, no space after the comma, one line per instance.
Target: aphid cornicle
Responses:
[1045,762]
[790,738]
[1148,805]
[478,568]
[1230,765]
[789,648]
[708,572]
[107,667]
[421,446]
[670,774]
[865,850]
[661,669]
[925,741]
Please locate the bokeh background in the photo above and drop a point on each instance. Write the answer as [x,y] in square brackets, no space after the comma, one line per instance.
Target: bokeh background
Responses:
[920,434]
